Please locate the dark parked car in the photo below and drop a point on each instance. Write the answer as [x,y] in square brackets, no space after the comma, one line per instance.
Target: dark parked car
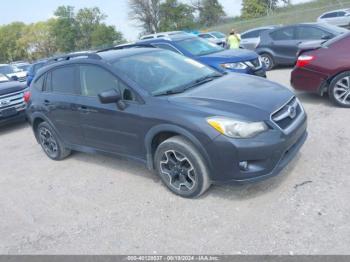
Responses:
[33,69]
[250,39]
[191,124]
[280,46]
[223,60]
[324,67]
[12,95]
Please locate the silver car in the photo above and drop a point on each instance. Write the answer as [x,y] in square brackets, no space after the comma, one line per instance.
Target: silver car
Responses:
[250,39]
[214,37]
[337,17]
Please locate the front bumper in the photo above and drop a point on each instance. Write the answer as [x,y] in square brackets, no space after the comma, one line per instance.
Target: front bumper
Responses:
[19,116]
[266,155]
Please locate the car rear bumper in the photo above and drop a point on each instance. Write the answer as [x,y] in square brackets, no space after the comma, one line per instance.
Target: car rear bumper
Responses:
[307,80]
[265,155]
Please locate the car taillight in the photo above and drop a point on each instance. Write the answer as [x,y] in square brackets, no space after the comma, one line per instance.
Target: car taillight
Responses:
[26,96]
[304,60]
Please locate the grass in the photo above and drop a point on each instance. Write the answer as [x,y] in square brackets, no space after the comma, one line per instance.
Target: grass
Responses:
[300,13]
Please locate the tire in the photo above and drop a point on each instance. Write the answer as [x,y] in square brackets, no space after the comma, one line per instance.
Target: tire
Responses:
[267,59]
[51,143]
[181,168]
[339,90]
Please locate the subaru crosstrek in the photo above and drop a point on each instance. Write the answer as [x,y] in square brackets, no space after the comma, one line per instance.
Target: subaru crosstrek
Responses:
[193,125]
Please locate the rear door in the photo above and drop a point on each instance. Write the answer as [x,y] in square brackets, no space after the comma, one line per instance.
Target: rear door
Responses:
[251,40]
[284,45]
[60,97]
[105,126]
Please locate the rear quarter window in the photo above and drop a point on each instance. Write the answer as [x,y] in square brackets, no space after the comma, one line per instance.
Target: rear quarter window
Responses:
[63,80]
[39,83]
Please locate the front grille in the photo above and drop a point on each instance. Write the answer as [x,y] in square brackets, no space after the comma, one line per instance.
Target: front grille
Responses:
[13,100]
[22,79]
[255,63]
[288,115]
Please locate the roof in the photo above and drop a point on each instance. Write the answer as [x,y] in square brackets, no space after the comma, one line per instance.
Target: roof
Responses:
[111,55]
[175,38]
[338,10]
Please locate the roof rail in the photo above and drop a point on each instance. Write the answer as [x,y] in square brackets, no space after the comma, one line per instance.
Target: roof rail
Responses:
[119,47]
[73,55]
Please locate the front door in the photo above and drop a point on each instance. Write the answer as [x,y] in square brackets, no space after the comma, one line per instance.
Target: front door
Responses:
[105,126]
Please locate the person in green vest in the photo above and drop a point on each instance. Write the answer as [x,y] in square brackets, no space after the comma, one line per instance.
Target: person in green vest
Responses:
[234,40]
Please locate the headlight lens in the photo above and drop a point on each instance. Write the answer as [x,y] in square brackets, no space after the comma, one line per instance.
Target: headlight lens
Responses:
[239,65]
[236,129]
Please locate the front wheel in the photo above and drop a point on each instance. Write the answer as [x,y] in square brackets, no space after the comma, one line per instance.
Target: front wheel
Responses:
[268,61]
[339,90]
[181,168]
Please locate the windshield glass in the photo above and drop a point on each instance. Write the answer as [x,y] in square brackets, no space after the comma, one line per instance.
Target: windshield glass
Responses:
[218,35]
[198,46]
[160,72]
[23,67]
[3,78]
[335,39]
[5,70]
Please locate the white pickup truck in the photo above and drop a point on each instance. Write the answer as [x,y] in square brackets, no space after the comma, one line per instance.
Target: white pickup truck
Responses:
[13,72]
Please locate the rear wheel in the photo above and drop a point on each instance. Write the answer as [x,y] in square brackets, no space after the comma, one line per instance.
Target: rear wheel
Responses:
[50,142]
[268,61]
[182,168]
[339,90]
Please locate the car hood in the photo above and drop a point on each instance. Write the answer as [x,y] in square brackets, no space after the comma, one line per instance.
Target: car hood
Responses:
[11,87]
[236,95]
[231,55]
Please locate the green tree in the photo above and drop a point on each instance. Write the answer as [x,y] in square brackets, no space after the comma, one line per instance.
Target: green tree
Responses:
[210,11]
[146,13]
[105,36]
[64,30]
[37,40]
[176,16]
[88,20]
[257,8]
[11,48]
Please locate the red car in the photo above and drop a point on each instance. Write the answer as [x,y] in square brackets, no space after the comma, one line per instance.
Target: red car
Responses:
[325,67]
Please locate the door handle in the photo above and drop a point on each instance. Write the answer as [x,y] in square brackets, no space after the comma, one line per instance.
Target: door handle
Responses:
[47,102]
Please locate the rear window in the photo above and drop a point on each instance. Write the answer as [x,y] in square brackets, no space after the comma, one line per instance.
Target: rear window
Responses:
[63,80]
[336,39]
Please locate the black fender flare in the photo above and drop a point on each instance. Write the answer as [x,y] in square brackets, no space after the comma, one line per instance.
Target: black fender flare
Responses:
[153,132]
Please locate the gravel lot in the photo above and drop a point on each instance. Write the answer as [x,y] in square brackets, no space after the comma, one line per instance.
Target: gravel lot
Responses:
[93,204]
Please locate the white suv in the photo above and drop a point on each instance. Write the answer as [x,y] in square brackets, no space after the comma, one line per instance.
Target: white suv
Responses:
[337,17]
[163,34]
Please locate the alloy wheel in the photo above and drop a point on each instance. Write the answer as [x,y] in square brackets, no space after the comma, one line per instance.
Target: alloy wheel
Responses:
[178,171]
[48,142]
[341,91]
[266,61]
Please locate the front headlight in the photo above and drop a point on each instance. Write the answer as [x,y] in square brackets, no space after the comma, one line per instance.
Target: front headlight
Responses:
[238,65]
[236,129]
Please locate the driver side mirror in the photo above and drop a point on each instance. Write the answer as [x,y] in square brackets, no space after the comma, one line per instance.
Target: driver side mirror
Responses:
[112,96]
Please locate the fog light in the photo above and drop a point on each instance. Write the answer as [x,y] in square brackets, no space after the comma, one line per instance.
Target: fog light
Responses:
[243,166]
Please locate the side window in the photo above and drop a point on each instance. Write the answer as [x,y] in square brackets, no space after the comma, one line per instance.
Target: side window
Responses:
[166,47]
[252,34]
[330,15]
[283,34]
[94,80]
[310,33]
[39,83]
[341,14]
[63,80]
[205,36]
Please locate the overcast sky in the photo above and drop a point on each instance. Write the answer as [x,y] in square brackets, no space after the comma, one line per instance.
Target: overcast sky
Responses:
[30,11]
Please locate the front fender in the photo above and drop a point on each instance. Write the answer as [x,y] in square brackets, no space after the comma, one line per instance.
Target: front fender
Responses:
[153,132]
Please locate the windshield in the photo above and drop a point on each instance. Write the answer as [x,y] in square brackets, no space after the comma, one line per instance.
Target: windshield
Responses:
[335,39]
[197,46]
[6,70]
[162,71]
[3,78]
[23,67]
[218,35]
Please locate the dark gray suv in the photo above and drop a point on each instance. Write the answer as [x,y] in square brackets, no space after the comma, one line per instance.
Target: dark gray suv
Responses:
[190,123]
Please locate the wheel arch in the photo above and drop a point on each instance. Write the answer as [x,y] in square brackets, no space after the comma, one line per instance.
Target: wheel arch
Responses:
[162,132]
[37,119]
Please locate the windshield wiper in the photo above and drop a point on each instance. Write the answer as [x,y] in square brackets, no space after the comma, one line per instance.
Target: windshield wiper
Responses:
[197,82]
